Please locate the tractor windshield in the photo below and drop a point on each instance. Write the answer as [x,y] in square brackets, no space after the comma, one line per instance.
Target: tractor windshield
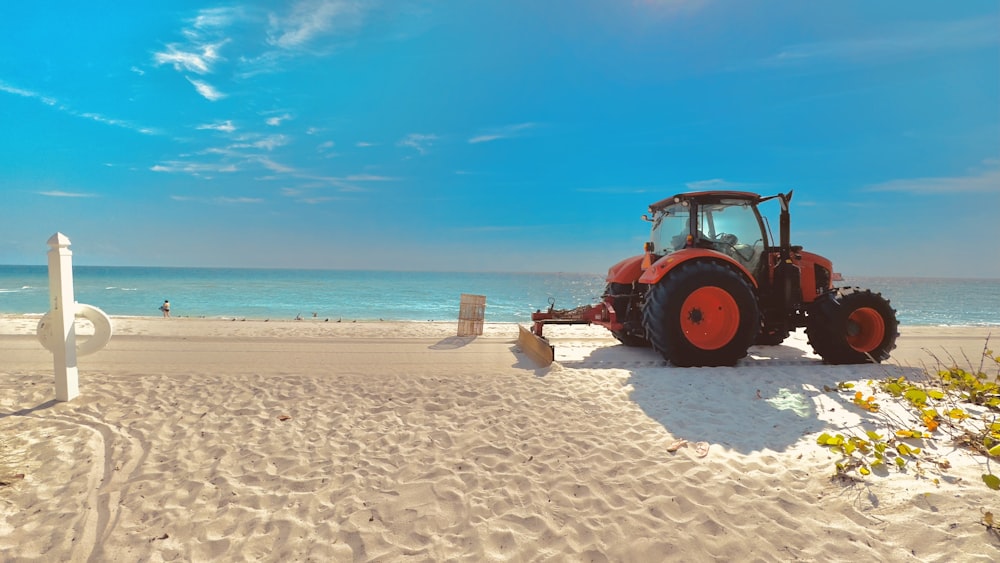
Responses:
[732,227]
[671,226]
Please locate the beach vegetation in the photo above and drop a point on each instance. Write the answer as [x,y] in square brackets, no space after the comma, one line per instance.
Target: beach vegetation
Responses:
[951,403]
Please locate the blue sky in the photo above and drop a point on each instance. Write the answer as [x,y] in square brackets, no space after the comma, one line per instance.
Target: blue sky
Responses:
[495,135]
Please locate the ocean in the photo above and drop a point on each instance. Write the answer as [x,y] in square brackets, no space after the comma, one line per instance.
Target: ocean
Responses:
[414,296]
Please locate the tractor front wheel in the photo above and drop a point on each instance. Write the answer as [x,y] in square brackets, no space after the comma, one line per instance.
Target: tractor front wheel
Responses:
[852,326]
[701,314]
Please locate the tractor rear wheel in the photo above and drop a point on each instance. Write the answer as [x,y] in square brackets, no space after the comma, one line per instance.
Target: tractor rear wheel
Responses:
[701,314]
[847,325]
[623,308]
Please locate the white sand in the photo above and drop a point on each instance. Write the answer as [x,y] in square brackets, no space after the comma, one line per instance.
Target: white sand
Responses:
[204,440]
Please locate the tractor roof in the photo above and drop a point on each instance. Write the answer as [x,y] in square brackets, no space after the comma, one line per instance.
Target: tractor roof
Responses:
[704,196]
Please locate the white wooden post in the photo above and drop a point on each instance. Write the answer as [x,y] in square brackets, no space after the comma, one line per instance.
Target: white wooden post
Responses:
[63,310]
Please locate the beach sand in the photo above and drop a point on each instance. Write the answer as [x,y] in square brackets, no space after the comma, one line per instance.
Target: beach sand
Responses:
[197,440]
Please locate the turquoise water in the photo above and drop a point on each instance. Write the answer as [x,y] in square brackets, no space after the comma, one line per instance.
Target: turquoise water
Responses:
[416,296]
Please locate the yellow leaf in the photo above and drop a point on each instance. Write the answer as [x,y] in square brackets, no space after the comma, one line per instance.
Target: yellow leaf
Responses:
[916,396]
[992,481]
[995,450]
[864,470]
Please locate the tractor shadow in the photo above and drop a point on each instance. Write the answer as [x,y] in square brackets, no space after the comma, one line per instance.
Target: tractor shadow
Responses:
[452,343]
[770,400]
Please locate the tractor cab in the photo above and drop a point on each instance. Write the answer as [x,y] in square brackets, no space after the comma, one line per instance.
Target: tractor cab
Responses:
[727,222]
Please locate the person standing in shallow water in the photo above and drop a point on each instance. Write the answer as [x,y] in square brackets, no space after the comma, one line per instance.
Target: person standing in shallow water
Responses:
[165,308]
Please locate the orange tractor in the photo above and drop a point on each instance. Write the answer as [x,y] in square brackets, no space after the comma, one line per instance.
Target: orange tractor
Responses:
[710,284]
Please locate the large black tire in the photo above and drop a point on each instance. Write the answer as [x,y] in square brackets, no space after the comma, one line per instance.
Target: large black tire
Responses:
[622,307]
[851,325]
[703,313]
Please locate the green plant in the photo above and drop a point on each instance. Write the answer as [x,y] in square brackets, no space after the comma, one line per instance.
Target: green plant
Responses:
[963,405]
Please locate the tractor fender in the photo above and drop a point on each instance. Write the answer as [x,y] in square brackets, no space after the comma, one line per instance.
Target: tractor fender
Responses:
[663,266]
[627,271]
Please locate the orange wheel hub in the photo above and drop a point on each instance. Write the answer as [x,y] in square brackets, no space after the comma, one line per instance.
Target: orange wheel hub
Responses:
[865,329]
[710,317]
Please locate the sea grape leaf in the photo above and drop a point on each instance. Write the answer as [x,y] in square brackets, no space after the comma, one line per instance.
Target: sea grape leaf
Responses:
[992,481]
[916,396]
[995,450]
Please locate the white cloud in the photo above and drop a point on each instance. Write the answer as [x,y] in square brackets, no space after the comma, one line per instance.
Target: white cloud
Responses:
[923,37]
[364,144]
[220,200]
[57,193]
[223,126]
[418,141]
[197,168]
[198,62]
[504,132]
[204,39]
[484,138]
[69,111]
[267,142]
[309,19]
[274,166]
[368,178]
[211,18]
[111,121]
[276,120]
[27,94]
[206,90]
[713,184]
[987,181]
